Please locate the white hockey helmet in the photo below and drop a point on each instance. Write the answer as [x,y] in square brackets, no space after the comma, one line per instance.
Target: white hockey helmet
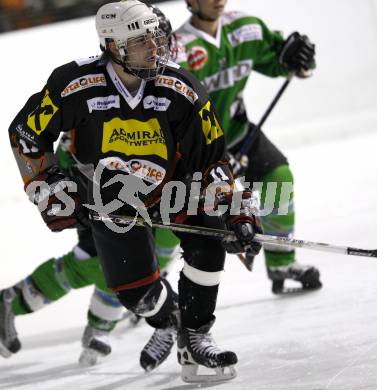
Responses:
[127,19]
[123,20]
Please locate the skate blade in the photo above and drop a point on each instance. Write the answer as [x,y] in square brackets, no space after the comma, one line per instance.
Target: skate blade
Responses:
[190,374]
[296,291]
[4,351]
[283,290]
[89,357]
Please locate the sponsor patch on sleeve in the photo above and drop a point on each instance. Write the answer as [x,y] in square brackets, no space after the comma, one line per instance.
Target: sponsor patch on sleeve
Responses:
[39,119]
[210,126]
[84,82]
[247,33]
[197,58]
[178,86]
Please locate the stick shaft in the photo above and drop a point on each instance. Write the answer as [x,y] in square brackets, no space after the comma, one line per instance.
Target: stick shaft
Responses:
[247,143]
[224,234]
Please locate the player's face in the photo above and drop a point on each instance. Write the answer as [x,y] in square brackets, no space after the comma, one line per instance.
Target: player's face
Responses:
[210,8]
[142,51]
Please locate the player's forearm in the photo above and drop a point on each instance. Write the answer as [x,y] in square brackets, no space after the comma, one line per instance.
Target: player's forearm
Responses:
[30,157]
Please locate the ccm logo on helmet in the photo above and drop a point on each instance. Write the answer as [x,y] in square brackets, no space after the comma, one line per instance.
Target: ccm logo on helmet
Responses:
[108,16]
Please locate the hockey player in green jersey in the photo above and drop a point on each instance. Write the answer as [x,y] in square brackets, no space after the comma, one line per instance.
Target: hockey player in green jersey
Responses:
[221,49]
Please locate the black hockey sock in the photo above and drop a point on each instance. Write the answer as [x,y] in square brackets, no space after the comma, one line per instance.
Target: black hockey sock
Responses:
[197,303]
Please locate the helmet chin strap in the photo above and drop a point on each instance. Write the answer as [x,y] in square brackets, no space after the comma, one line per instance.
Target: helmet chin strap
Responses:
[140,73]
[106,50]
[123,63]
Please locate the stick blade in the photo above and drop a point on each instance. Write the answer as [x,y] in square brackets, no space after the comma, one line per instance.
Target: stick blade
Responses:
[362,252]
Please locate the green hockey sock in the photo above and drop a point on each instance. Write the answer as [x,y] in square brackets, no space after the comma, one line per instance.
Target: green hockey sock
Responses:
[19,306]
[165,242]
[277,197]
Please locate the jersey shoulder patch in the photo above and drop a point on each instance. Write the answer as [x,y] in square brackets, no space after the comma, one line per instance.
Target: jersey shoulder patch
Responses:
[87,60]
[77,76]
[83,82]
[248,28]
[173,80]
[178,53]
[184,35]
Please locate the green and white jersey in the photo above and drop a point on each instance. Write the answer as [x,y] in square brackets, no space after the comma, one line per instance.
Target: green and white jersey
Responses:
[223,64]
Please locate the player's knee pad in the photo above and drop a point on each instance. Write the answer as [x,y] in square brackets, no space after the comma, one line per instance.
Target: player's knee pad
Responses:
[155,301]
[105,306]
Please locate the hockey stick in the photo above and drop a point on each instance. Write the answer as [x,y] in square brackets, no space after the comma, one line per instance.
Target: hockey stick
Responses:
[229,235]
[245,147]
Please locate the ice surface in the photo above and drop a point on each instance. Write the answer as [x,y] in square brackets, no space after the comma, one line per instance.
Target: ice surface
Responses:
[328,128]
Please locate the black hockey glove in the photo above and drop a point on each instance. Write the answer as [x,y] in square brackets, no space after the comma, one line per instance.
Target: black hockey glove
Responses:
[244,225]
[298,55]
[57,199]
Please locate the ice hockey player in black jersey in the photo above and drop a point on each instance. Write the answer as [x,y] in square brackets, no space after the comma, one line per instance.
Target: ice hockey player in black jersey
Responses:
[141,127]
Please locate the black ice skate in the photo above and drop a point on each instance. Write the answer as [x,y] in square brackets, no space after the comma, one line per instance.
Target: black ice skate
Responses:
[198,348]
[9,342]
[158,347]
[307,275]
[95,345]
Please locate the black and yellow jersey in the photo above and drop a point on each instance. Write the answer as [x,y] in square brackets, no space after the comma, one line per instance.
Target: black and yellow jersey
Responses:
[168,129]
